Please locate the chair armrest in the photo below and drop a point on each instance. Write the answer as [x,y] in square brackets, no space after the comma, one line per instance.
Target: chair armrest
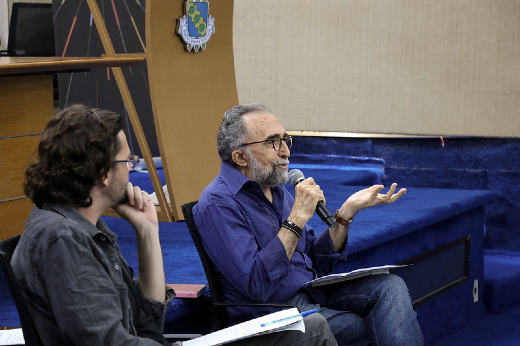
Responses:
[282,305]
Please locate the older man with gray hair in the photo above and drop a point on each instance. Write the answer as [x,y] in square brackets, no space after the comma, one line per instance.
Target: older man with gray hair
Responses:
[257,237]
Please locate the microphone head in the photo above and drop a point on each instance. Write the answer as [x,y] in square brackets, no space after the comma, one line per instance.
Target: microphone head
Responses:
[295,176]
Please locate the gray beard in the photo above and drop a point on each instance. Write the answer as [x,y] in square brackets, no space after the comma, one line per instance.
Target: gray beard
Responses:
[269,176]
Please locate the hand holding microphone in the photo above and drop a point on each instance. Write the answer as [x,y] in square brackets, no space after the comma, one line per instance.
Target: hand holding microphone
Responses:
[296,177]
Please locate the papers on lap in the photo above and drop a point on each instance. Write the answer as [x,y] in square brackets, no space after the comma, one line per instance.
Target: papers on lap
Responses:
[12,337]
[252,328]
[358,273]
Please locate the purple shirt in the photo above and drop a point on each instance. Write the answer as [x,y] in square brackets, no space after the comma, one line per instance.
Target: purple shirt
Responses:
[238,227]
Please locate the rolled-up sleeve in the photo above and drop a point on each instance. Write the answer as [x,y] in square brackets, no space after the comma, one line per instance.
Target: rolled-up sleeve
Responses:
[149,314]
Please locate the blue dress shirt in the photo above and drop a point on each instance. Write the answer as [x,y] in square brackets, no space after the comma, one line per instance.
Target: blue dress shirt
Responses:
[238,227]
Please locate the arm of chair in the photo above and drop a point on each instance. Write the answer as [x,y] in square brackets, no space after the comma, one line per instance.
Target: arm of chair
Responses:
[282,305]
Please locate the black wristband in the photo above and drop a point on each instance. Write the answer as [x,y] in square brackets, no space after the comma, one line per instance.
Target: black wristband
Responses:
[291,226]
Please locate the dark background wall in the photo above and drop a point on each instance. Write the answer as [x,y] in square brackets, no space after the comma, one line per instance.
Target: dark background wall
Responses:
[76,35]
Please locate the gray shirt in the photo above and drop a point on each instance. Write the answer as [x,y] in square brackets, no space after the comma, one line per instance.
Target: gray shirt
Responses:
[79,288]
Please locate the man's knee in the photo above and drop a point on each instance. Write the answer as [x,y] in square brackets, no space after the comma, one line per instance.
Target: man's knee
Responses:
[395,289]
[396,282]
[316,323]
[316,326]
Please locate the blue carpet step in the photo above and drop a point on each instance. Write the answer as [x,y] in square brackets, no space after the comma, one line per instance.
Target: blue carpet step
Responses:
[501,280]
[340,169]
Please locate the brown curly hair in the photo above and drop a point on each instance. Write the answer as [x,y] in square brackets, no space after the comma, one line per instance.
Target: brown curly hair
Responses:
[76,148]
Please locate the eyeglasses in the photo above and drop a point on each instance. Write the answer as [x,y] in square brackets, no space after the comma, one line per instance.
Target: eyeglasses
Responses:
[131,163]
[276,142]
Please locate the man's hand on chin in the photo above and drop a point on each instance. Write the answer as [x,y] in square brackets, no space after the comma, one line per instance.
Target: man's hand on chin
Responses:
[139,208]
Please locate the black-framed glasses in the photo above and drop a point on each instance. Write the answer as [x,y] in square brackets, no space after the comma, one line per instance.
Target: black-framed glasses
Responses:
[276,142]
[131,163]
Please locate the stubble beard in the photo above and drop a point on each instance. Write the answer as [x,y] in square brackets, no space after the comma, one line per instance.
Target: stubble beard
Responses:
[117,192]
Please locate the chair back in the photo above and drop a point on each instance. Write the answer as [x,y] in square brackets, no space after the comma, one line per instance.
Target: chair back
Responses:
[31,30]
[30,333]
[187,211]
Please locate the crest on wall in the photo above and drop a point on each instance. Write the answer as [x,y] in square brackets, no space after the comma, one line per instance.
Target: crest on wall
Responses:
[197,26]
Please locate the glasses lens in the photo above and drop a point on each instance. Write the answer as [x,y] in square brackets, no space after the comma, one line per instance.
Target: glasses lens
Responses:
[134,162]
[288,142]
[277,143]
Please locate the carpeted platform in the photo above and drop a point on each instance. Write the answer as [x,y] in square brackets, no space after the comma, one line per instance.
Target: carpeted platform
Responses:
[501,280]
[487,330]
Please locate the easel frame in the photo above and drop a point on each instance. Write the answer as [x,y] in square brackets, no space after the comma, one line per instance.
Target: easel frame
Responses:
[190,91]
[163,213]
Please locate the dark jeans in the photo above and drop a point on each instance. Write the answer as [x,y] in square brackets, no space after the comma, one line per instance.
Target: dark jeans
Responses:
[374,310]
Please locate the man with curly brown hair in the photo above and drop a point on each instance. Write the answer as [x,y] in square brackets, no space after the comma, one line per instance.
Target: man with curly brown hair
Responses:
[77,284]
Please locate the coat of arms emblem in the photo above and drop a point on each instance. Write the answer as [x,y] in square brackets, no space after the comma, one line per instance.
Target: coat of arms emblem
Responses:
[197,26]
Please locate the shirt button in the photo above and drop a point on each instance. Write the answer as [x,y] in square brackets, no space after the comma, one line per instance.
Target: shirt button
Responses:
[103,238]
[116,266]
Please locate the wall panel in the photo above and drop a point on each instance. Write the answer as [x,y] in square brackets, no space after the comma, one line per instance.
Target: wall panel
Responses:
[402,67]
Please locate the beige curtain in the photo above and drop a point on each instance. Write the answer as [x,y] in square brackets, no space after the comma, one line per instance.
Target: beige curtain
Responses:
[417,67]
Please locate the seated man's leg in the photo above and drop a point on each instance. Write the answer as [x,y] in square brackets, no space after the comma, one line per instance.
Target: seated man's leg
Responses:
[347,327]
[384,302]
[317,333]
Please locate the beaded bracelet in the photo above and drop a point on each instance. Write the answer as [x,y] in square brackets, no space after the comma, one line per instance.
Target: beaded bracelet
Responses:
[291,226]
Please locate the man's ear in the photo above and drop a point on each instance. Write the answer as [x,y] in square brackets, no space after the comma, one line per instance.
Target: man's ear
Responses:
[103,178]
[240,158]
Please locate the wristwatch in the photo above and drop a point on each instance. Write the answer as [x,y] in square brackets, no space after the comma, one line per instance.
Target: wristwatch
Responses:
[341,221]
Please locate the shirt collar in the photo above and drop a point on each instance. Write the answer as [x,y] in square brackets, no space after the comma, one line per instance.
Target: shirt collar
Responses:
[236,181]
[69,212]
[233,178]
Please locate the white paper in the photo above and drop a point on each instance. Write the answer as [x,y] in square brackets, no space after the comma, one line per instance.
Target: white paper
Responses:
[353,274]
[156,200]
[251,328]
[12,337]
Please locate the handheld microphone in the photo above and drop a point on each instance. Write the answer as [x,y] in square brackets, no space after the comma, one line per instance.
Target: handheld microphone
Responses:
[296,177]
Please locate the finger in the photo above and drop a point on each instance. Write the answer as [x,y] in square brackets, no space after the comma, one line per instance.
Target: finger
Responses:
[374,190]
[397,195]
[146,199]
[308,181]
[391,190]
[130,193]
[319,194]
[321,197]
[138,198]
[386,198]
